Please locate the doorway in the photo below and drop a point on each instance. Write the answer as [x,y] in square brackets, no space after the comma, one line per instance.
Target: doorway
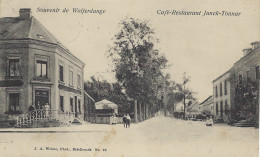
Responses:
[41,98]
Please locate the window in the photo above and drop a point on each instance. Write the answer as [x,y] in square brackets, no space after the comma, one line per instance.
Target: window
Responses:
[216,108]
[41,68]
[216,91]
[61,73]
[71,104]
[226,105]
[78,81]
[257,74]
[221,108]
[240,79]
[220,89]
[71,77]
[79,106]
[225,87]
[62,103]
[13,102]
[14,67]
[247,75]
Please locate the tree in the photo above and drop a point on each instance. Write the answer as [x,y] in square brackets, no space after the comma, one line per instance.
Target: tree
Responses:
[246,98]
[100,90]
[186,92]
[138,65]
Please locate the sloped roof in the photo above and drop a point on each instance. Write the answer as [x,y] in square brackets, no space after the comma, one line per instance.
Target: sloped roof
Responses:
[86,94]
[24,28]
[16,28]
[105,102]
[195,104]
[209,99]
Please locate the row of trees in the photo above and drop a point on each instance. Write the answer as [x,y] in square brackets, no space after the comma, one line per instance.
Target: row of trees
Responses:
[140,71]
[139,68]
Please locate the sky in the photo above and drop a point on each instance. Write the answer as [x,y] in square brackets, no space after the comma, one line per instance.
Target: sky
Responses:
[202,46]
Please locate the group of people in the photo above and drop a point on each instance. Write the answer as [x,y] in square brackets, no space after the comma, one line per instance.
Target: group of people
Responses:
[45,107]
[38,106]
[126,120]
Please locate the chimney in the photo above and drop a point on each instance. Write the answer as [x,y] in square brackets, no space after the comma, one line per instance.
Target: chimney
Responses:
[255,45]
[25,13]
[247,51]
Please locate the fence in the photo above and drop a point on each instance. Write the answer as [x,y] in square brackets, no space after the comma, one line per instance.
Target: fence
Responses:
[105,120]
[44,115]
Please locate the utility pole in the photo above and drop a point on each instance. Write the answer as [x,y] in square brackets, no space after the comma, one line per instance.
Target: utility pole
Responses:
[184,97]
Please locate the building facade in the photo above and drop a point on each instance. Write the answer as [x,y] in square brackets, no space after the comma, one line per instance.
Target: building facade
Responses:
[221,95]
[36,69]
[241,73]
[208,106]
[246,70]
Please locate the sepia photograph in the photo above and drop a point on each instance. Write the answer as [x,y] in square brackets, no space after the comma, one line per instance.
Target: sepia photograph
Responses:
[129,78]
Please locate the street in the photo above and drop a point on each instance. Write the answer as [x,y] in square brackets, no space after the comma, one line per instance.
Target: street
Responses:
[158,136]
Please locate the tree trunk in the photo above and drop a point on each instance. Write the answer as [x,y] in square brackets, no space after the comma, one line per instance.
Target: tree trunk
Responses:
[144,111]
[135,108]
[140,111]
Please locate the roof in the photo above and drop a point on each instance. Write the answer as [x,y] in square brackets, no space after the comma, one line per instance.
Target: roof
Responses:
[250,53]
[88,96]
[16,28]
[221,76]
[105,102]
[206,99]
[193,105]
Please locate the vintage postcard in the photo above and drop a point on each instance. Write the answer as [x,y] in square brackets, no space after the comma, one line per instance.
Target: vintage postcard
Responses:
[128,78]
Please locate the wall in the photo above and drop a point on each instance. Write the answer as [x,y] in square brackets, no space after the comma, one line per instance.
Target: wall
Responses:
[19,51]
[225,97]
[246,63]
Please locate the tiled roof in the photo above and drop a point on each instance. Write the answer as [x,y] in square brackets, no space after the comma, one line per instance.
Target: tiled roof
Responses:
[16,28]
[20,28]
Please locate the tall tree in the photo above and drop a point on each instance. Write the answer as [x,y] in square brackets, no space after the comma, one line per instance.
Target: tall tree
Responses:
[138,65]
[187,94]
[100,90]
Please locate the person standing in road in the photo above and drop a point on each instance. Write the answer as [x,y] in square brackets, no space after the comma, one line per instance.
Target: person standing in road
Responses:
[128,120]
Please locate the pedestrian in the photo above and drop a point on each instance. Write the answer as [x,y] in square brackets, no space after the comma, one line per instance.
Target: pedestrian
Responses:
[124,120]
[38,105]
[114,119]
[209,121]
[47,110]
[31,108]
[128,120]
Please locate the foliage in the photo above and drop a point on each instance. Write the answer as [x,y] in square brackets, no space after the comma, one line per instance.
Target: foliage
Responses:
[100,90]
[246,98]
[138,65]
[180,92]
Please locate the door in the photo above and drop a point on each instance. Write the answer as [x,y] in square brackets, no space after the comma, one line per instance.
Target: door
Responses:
[41,98]
[76,107]
[13,101]
[221,109]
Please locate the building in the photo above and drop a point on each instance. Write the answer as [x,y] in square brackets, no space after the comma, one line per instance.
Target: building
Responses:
[208,106]
[106,105]
[241,73]
[194,109]
[221,95]
[179,107]
[246,70]
[36,69]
